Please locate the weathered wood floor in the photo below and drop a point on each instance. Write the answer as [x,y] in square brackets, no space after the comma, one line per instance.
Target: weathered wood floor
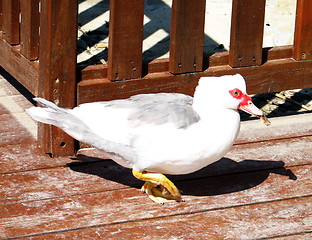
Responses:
[262,189]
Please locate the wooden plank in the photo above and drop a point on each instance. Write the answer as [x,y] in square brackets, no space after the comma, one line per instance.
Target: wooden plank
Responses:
[57,73]
[10,21]
[63,181]
[125,39]
[96,90]
[106,175]
[307,235]
[11,132]
[218,59]
[94,72]
[162,65]
[9,86]
[287,219]
[276,53]
[187,36]
[281,151]
[158,65]
[30,29]
[227,194]
[281,128]
[246,33]
[25,71]
[14,105]
[1,13]
[303,31]
[26,156]
[272,76]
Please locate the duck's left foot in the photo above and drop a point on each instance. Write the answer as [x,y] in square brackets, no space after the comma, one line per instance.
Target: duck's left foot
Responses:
[158,187]
[157,193]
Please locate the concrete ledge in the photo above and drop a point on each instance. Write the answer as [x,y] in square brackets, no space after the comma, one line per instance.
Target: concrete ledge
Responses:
[280,128]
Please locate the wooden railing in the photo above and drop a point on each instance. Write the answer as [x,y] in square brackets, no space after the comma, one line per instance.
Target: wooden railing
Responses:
[45,61]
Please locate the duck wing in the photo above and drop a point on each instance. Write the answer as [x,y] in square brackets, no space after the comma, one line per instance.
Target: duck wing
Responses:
[158,109]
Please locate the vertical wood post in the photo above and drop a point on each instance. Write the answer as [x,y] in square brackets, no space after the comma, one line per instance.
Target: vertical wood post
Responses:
[125,39]
[1,15]
[30,28]
[246,33]
[57,68]
[303,31]
[10,21]
[187,36]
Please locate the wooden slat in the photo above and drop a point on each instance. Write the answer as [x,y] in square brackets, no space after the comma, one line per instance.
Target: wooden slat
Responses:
[25,71]
[94,72]
[272,76]
[1,15]
[218,59]
[26,156]
[287,219]
[71,181]
[290,127]
[303,31]
[287,127]
[246,33]
[10,21]
[286,153]
[187,36]
[158,65]
[30,28]
[226,193]
[11,132]
[162,64]
[125,39]
[57,71]
[276,53]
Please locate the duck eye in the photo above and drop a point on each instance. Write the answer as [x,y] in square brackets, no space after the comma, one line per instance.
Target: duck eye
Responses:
[236,93]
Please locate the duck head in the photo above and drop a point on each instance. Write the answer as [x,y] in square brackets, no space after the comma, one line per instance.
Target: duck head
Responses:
[225,92]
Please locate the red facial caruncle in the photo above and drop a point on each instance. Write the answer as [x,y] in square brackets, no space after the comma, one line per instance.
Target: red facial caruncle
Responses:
[246,103]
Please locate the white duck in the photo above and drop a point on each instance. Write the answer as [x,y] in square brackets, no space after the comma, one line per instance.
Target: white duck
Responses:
[156,134]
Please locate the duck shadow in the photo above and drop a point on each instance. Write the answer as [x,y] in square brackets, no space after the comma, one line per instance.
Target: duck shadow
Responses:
[222,177]
[228,176]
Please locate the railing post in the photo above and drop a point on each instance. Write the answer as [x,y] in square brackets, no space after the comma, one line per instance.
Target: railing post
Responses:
[125,39]
[187,36]
[30,28]
[303,31]
[57,68]
[246,33]
[10,21]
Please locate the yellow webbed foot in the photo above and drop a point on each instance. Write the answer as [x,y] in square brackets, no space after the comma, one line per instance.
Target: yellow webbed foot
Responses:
[158,187]
[156,193]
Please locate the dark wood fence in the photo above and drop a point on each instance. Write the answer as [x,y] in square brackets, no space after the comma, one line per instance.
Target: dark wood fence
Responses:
[38,48]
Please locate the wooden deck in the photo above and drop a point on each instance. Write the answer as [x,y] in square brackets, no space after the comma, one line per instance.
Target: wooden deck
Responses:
[261,190]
